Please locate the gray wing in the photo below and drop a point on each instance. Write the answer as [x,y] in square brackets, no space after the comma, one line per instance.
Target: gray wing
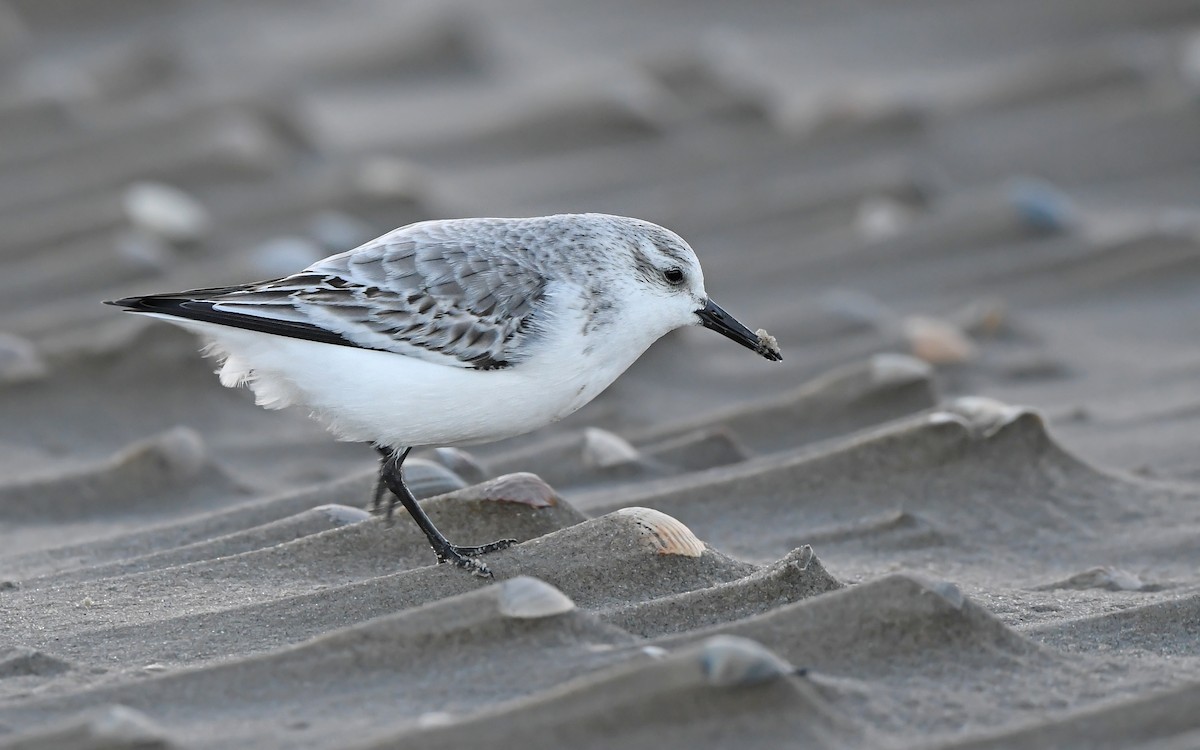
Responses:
[447,297]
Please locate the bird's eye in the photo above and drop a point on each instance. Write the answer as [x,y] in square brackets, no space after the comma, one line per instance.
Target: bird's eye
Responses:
[673,275]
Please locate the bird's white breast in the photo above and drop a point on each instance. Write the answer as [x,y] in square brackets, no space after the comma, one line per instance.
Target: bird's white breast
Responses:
[391,399]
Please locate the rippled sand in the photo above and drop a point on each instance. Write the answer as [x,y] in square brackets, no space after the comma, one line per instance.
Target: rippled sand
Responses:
[962,513]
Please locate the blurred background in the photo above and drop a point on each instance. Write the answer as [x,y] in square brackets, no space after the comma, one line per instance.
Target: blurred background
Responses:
[1006,190]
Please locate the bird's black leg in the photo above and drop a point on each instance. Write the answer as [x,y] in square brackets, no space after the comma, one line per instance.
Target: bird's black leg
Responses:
[464,557]
[381,486]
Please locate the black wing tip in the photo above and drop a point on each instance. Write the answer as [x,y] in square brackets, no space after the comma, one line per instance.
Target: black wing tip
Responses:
[163,303]
[130,303]
[184,305]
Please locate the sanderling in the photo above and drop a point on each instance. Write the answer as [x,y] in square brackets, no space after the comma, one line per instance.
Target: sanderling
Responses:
[455,332]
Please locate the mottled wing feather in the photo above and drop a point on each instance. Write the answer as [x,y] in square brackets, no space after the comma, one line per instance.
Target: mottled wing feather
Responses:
[439,298]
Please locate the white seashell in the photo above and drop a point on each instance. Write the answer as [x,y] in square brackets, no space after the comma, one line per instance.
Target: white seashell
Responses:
[655,652]
[892,369]
[19,360]
[732,661]
[343,515]
[602,449]
[987,416]
[662,533]
[166,211]
[882,217]
[768,342]
[432,719]
[528,598]
[948,417]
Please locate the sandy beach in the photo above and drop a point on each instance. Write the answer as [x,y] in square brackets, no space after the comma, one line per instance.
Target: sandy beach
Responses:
[963,512]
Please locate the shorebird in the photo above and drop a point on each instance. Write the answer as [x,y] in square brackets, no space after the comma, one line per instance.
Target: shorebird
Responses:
[455,332]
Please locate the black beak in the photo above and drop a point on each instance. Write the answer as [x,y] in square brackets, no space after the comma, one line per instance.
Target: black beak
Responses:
[713,317]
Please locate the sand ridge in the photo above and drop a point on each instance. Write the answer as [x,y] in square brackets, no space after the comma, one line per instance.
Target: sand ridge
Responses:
[961,512]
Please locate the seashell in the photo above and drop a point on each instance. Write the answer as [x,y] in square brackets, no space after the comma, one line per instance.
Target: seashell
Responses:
[178,452]
[528,598]
[343,515]
[655,652]
[732,661]
[881,217]
[1106,578]
[166,211]
[461,463]
[519,487]
[1040,205]
[662,533]
[894,369]
[20,361]
[434,719]
[987,416]
[936,341]
[948,591]
[428,478]
[768,342]
[983,317]
[603,449]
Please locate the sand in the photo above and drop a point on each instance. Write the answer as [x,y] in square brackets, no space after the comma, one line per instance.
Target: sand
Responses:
[963,512]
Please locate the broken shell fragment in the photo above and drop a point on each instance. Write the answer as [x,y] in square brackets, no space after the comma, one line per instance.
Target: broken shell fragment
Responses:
[768,343]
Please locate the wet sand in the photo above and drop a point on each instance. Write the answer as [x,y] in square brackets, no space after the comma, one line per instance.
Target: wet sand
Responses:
[963,512]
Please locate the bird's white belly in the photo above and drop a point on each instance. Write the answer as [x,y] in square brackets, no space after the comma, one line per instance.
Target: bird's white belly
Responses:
[401,401]
[374,396]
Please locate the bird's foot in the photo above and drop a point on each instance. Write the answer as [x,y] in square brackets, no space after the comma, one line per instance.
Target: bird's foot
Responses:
[483,549]
[464,557]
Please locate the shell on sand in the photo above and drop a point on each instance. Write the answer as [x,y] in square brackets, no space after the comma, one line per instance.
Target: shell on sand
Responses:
[889,368]
[937,341]
[662,533]
[602,449]
[987,416]
[343,515]
[19,360]
[166,211]
[528,598]
[733,661]
[520,487]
